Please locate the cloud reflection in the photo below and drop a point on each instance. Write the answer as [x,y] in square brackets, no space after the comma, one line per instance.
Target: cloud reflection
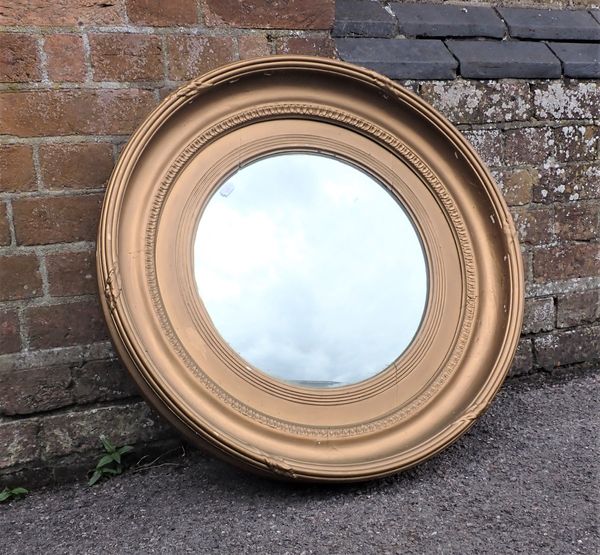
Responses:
[310,270]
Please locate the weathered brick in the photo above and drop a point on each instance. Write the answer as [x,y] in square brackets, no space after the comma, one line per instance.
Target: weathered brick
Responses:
[523,361]
[77,323]
[269,14]
[434,20]
[535,226]
[566,100]
[162,14]
[10,335]
[530,23]
[18,58]
[578,221]
[61,13]
[65,58]
[527,145]
[567,347]
[567,261]
[192,55]
[400,58]
[102,380]
[73,112]
[19,442]
[517,185]
[357,18]
[495,59]
[76,166]
[577,308]
[575,143]
[251,46]
[466,101]
[19,277]
[71,273]
[4,225]
[307,46]
[573,182]
[539,315]
[34,389]
[578,60]
[46,220]
[487,143]
[16,168]
[126,57]
[79,431]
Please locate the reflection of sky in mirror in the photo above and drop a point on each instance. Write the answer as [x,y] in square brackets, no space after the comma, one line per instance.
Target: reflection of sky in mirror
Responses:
[310,270]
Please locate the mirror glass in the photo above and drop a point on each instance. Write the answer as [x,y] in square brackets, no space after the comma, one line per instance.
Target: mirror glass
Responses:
[310,270]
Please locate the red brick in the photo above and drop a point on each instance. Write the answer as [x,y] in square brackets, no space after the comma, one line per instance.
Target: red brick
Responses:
[316,46]
[567,261]
[162,14]
[578,220]
[578,308]
[19,442]
[271,14]
[567,347]
[575,143]
[71,273]
[16,168]
[34,389]
[65,58]
[10,335]
[73,112]
[192,55]
[78,323]
[539,315]
[528,145]
[4,225]
[252,46]
[76,166]
[19,277]
[126,57]
[18,58]
[46,220]
[534,225]
[517,185]
[60,12]
[102,380]
[76,432]
[568,183]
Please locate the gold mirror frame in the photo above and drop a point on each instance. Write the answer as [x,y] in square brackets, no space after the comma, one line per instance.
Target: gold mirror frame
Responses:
[196,138]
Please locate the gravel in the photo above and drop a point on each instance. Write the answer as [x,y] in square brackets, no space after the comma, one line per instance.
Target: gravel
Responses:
[524,479]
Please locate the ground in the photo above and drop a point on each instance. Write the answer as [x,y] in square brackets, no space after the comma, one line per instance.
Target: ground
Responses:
[524,479]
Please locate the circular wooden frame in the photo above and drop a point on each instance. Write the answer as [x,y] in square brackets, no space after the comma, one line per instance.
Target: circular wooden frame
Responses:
[176,160]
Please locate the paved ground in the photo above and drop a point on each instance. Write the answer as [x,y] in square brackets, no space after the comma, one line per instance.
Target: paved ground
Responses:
[525,479]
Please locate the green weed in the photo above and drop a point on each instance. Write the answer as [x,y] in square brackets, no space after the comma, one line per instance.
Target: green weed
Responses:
[109,464]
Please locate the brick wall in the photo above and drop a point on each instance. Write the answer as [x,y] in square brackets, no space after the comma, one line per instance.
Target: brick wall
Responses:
[77,77]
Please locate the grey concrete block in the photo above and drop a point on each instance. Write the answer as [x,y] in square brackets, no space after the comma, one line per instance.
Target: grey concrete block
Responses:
[362,18]
[579,59]
[443,20]
[400,58]
[529,23]
[492,60]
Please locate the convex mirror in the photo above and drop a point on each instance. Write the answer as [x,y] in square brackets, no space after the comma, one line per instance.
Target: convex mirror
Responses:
[308,271]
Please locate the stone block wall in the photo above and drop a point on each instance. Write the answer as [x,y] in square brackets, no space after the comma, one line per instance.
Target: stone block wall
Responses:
[78,76]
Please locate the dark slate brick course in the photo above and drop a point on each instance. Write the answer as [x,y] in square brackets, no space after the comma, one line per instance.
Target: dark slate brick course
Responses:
[578,59]
[400,58]
[443,20]
[530,23]
[362,18]
[497,59]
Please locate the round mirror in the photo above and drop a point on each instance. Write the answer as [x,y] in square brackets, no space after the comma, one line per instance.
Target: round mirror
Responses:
[310,270]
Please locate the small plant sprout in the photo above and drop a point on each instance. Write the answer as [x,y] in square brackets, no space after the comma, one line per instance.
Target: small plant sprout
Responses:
[109,464]
[15,493]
